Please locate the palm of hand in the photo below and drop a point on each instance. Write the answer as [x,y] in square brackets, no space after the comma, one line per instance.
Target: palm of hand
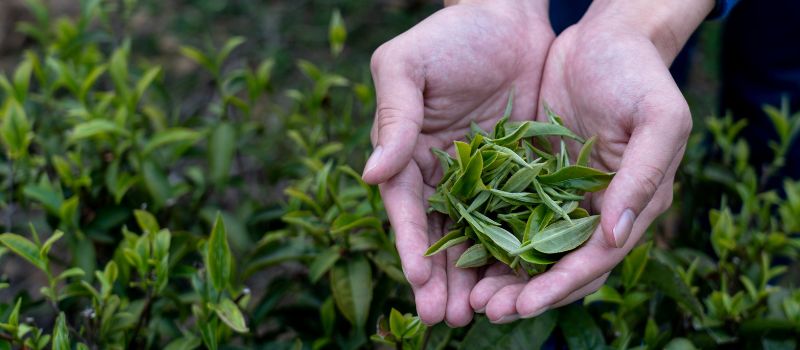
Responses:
[457,66]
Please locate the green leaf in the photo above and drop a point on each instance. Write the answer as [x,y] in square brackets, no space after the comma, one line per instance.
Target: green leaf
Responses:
[578,177]
[579,329]
[198,57]
[328,316]
[187,342]
[23,248]
[73,272]
[667,281]
[16,131]
[147,222]
[96,127]
[171,136]
[679,344]
[229,313]
[470,181]
[218,256]
[451,239]
[604,294]
[562,236]
[61,334]
[501,237]
[351,284]
[529,333]
[337,33]
[397,323]
[463,151]
[549,129]
[347,222]
[146,80]
[474,256]
[222,148]
[49,244]
[226,50]
[586,152]
[323,262]
[156,183]
[634,265]
[549,202]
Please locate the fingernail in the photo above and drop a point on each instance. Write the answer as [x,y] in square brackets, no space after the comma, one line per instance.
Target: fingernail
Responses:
[507,319]
[623,227]
[481,310]
[374,159]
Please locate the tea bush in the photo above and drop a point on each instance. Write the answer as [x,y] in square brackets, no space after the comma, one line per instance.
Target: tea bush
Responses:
[138,218]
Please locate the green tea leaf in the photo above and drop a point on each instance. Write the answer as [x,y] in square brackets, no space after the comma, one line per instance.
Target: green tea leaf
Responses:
[97,127]
[229,312]
[452,238]
[474,256]
[23,248]
[549,202]
[586,152]
[397,323]
[61,334]
[579,329]
[147,222]
[222,148]
[171,136]
[470,180]
[563,236]
[218,256]
[463,152]
[666,280]
[529,333]
[337,33]
[579,178]
[351,284]
[322,263]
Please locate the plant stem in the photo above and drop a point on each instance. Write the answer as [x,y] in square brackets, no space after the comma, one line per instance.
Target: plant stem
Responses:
[142,320]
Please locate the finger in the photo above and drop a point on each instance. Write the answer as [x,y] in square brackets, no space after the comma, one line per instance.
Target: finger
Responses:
[652,147]
[402,196]
[431,297]
[590,288]
[459,284]
[489,286]
[502,307]
[399,114]
[582,266]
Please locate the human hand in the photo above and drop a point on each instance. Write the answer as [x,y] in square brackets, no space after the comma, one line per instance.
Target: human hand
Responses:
[607,78]
[455,67]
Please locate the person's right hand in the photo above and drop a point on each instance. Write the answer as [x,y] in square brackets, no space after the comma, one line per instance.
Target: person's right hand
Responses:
[455,67]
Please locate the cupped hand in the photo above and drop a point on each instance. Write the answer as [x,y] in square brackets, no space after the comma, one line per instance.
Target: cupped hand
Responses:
[455,67]
[607,80]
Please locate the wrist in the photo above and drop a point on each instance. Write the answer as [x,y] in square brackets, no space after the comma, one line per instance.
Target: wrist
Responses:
[667,24]
[534,7]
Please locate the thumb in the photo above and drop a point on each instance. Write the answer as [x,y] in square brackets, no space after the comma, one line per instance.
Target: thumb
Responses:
[651,150]
[398,118]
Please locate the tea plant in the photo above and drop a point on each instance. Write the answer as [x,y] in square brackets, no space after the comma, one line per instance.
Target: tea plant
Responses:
[533,191]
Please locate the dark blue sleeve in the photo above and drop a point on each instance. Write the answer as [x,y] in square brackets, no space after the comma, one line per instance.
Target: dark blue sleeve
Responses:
[722,9]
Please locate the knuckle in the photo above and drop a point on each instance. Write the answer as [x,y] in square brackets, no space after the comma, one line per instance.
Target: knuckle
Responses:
[378,57]
[647,178]
[389,117]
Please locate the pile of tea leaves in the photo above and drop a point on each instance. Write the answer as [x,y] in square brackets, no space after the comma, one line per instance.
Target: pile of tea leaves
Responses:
[516,200]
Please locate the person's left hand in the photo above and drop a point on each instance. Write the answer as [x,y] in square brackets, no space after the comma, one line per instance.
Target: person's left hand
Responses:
[609,81]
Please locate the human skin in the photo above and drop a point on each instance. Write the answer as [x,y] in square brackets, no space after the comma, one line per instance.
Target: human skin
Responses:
[606,76]
[455,67]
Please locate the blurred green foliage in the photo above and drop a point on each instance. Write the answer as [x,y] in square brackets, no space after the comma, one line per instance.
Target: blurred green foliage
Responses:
[164,189]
